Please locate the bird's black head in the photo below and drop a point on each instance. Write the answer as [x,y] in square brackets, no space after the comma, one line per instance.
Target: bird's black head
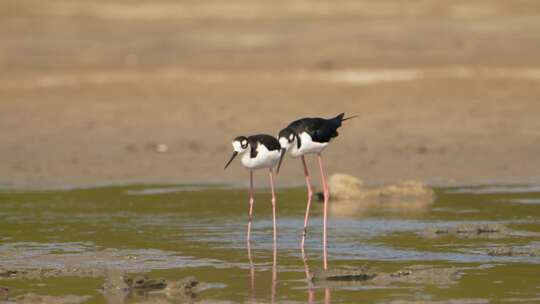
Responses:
[286,137]
[240,145]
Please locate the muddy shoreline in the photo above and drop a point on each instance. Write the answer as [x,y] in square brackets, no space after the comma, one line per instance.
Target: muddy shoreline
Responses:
[135,244]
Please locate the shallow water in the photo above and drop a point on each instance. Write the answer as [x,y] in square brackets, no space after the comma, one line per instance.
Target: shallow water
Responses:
[76,237]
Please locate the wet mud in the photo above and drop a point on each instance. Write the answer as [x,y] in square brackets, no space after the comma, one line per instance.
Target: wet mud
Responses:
[32,298]
[141,244]
[119,287]
[454,301]
[414,274]
[58,261]
[532,250]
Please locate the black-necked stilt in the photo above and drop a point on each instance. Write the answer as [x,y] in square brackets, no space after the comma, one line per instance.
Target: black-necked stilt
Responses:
[307,136]
[258,152]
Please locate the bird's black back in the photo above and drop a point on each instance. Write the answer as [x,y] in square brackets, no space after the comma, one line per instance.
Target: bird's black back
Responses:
[269,141]
[320,129]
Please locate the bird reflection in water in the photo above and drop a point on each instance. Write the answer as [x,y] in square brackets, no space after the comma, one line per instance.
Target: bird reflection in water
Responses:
[311,287]
[252,272]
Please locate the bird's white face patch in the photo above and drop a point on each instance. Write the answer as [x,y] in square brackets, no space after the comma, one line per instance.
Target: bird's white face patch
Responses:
[284,143]
[237,146]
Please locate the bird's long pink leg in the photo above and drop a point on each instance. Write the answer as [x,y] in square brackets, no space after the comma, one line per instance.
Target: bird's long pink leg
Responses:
[326,194]
[273,203]
[274,244]
[310,195]
[274,273]
[251,201]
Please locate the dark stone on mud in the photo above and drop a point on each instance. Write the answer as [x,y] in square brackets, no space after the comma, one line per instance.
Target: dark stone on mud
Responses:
[479,229]
[143,283]
[438,231]
[4,293]
[401,273]
[184,287]
[421,274]
[469,230]
[343,275]
[415,274]
[118,286]
[119,281]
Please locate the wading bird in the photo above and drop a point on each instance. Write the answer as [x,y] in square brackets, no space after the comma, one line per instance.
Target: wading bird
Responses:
[311,136]
[257,152]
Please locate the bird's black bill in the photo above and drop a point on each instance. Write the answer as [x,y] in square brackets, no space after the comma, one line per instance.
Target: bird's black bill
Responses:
[281,159]
[230,160]
[350,117]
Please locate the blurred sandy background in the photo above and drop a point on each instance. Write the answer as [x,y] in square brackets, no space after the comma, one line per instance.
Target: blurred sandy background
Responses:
[91,91]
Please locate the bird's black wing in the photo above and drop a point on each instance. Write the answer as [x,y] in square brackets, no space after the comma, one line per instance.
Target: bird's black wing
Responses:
[269,141]
[321,130]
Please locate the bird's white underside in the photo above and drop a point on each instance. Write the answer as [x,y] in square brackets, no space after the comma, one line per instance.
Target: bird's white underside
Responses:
[264,158]
[237,146]
[307,146]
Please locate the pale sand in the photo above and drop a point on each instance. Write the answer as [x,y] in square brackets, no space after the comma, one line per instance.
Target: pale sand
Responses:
[447,92]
